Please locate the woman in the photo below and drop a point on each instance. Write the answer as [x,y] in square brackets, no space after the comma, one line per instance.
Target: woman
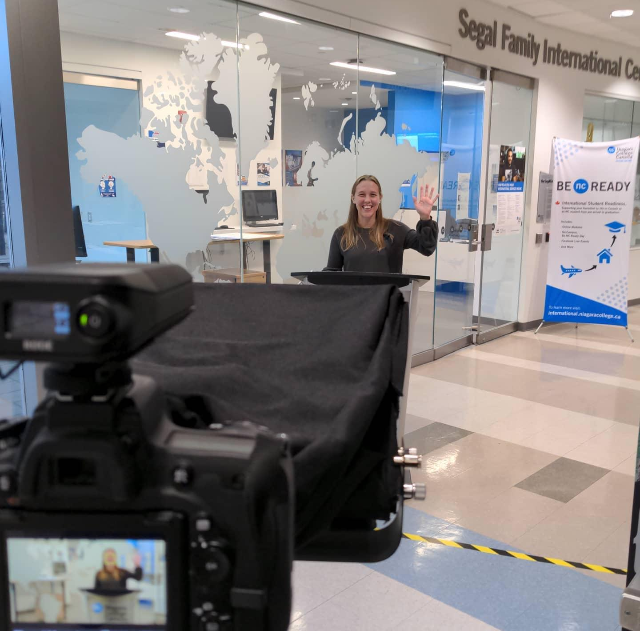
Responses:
[369,242]
[111,577]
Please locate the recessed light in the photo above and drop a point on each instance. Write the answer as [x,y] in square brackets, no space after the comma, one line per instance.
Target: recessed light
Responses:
[296,98]
[325,47]
[621,13]
[342,64]
[354,93]
[345,104]
[273,16]
[464,86]
[180,35]
[179,10]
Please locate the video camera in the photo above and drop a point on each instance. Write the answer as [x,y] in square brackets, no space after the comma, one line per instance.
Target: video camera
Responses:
[105,483]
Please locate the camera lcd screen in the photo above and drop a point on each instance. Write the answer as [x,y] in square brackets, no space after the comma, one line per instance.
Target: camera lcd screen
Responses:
[68,584]
[30,319]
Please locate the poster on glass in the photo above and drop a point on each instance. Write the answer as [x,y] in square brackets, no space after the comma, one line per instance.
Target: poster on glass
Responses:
[292,163]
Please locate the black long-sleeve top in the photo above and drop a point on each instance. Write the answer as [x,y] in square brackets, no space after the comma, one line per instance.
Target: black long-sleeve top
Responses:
[365,256]
[105,581]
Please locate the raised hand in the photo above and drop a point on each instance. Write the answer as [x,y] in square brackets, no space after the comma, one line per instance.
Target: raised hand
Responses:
[425,202]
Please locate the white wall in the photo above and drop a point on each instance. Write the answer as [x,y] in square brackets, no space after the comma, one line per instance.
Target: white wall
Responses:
[559,99]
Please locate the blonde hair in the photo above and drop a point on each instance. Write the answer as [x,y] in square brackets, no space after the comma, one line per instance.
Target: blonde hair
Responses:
[350,234]
[104,574]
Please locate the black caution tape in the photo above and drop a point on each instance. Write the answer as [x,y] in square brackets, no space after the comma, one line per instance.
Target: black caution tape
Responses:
[516,555]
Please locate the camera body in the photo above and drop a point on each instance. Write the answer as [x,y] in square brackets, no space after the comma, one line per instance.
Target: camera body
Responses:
[103,468]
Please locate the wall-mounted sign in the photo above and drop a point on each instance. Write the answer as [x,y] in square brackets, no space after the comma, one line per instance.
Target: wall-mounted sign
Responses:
[502,36]
[107,186]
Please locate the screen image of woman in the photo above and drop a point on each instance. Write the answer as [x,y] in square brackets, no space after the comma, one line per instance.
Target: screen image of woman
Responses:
[112,577]
[369,242]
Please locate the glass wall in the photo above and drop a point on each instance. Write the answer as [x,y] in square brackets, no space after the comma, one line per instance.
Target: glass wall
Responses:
[252,128]
[607,118]
[511,106]
[12,399]
[462,129]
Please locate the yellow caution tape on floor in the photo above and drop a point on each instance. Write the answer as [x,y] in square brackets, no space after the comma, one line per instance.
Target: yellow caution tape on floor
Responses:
[515,555]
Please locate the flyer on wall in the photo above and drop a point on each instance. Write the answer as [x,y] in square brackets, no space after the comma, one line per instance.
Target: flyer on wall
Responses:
[264,174]
[591,217]
[510,190]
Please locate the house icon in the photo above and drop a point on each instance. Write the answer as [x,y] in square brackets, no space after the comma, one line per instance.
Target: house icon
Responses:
[605,256]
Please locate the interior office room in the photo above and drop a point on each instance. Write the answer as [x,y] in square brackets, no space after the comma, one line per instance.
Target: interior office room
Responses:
[225,137]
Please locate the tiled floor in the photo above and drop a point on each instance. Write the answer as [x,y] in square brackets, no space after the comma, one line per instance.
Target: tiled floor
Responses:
[529,444]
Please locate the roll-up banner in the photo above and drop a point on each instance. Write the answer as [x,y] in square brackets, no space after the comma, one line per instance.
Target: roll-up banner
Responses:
[591,213]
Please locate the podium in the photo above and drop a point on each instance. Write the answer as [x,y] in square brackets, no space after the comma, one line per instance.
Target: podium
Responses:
[409,284]
[381,543]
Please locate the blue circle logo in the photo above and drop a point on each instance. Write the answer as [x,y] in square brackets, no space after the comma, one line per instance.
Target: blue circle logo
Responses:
[452,152]
[611,149]
[97,608]
[581,186]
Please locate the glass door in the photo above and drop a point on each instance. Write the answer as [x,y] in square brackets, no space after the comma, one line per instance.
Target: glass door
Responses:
[501,236]
[463,130]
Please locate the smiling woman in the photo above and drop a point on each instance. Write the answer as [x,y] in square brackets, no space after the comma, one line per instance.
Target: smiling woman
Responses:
[368,242]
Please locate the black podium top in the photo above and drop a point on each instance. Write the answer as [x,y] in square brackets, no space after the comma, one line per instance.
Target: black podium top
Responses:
[358,278]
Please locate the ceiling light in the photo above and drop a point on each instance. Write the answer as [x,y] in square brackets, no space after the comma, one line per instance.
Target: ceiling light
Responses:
[234,45]
[342,64]
[621,13]
[333,111]
[292,72]
[325,47]
[179,10]
[273,16]
[345,104]
[179,35]
[464,86]
[354,93]
[324,79]
[296,98]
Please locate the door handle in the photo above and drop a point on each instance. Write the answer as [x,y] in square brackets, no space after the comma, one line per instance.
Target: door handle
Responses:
[486,236]
[473,238]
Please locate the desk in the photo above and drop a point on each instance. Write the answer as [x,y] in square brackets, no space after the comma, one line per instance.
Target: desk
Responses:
[233,236]
[131,246]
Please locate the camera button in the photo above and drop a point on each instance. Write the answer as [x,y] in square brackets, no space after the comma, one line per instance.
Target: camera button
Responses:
[209,624]
[95,320]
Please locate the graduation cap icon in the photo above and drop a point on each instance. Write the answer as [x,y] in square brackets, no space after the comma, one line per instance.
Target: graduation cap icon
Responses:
[616,226]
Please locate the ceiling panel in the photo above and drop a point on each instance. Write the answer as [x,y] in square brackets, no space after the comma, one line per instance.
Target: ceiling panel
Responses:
[547,7]
[589,17]
[568,20]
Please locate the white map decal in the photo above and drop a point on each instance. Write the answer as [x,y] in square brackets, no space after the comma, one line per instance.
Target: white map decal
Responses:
[307,91]
[165,179]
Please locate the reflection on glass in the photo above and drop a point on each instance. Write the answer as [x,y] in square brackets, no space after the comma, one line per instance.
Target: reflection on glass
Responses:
[615,119]
[462,124]
[509,141]
[12,401]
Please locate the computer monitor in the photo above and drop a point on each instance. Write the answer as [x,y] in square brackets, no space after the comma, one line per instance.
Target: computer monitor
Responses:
[259,205]
[81,246]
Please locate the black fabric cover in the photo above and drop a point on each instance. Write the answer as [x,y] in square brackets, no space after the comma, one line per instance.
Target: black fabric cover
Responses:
[325,365]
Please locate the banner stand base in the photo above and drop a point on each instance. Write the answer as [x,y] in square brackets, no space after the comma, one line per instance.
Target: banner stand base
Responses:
[543,322]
